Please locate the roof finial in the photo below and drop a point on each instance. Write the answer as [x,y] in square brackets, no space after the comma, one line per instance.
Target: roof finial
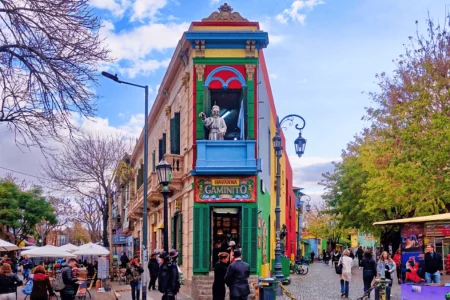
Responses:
[225,14]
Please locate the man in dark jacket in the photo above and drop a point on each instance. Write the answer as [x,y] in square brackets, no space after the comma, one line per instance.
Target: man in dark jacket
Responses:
[433,265]
[237,278]
[153,267]
[70,282]
[124,260]
[220,270]
[168,278]
[360,254]
[27,265]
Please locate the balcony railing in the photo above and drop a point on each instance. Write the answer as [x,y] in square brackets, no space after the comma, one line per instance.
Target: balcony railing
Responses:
[226,158]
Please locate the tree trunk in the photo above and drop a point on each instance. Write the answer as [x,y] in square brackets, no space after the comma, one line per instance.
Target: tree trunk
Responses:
[105,227]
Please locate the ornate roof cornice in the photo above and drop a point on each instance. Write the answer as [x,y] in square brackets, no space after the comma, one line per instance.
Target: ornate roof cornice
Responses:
[225,14]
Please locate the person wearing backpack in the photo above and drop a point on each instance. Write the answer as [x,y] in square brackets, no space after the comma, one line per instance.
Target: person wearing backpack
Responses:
[8,283]
[369,268]
[133,273]
[70,282]
[42,288]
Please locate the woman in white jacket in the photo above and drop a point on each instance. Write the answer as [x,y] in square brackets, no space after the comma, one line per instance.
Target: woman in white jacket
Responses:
[346,275]
[386,268]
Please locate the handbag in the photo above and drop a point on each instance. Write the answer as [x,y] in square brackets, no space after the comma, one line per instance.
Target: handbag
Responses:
[339,269]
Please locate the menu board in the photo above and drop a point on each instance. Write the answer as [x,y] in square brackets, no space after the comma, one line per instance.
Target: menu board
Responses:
[439,229]
[103,268]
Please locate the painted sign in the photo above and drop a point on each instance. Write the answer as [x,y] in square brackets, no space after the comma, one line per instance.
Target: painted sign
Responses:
[437,229]
[412,237]
[225,189]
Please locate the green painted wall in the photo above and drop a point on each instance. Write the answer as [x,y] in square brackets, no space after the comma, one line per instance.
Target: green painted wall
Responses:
[264,210]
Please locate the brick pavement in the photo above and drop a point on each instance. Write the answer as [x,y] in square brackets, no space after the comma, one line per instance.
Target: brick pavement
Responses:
[322,283]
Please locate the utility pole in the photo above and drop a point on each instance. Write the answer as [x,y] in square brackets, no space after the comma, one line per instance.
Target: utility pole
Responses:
[108,198]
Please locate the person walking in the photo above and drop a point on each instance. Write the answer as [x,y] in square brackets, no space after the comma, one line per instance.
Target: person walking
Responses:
[168,277]
[385,268]
[369,270]
[335,257]
[360,254]
[27,265]
[42,288]
[220,270]
[312,256]
[70,282]
[346,275]
[398,263]
[124,260]
[433,265]
[134,272]
[237,278]
[8,283]
[153,267]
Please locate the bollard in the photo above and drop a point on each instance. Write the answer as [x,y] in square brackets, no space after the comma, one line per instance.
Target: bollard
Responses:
[383,291]
[267,288]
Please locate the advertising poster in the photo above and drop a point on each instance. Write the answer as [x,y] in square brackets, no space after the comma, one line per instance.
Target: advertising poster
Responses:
[412,237]
[441,229]
[225,189]
[412,266]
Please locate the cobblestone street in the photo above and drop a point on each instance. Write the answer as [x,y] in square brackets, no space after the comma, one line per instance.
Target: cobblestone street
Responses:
[322,283]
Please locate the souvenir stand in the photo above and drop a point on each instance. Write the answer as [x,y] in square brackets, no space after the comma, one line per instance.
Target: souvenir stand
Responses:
[416,233]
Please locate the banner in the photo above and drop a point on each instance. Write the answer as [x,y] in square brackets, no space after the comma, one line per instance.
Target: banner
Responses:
[412,237]
[225,189]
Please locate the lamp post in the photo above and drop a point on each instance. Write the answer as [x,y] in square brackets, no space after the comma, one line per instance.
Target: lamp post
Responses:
[144,254]
[164,171]
[299,144]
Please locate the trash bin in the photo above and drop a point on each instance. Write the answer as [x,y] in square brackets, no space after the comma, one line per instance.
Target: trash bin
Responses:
[267,289]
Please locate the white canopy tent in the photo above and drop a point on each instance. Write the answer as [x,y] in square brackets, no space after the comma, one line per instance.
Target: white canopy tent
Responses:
[28,247]
[47,251]
[69,247]
[7,246]
[91,249]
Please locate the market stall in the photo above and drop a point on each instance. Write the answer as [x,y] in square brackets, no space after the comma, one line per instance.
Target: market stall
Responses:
[416,234]
[6,246]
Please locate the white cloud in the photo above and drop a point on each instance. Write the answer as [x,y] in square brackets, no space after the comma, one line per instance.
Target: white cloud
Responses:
[294,12]
[306,161]
[143,9]
[273,76]
[266,25]
[117,8]
[132,48]
[214,1]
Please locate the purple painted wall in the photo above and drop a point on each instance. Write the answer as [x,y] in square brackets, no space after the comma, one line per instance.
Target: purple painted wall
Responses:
[427,292]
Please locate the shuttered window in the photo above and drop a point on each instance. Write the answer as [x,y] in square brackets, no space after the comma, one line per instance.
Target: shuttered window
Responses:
[249,236]
[154,161]
[140,176]
[175,134]
[160,150]
[201,239]
[180,238]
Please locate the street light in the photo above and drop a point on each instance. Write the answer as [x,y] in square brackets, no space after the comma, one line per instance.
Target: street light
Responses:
[164,171]
[299,144]
[144,254]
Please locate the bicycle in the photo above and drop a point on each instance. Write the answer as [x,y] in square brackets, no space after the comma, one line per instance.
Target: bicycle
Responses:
[298,268]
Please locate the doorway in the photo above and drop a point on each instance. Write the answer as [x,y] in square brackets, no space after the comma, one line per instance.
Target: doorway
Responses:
[226,227]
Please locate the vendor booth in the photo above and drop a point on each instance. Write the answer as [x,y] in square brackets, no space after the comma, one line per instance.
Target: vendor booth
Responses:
[416,234]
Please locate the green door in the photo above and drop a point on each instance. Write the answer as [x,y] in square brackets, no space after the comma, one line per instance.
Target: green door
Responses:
[202,247]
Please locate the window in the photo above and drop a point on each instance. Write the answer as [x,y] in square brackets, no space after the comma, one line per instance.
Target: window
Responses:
[175,134]
[154,161]
[162,147]
[229,102]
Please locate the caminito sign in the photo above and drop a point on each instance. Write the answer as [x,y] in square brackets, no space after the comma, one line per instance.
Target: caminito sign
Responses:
[225,189]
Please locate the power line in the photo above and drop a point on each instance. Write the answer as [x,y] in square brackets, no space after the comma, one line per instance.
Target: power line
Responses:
[25,174]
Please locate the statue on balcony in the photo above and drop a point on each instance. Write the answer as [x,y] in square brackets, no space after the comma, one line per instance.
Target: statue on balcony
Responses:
[216,124]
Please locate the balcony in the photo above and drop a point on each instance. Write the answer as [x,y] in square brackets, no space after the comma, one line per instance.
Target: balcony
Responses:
[226,158]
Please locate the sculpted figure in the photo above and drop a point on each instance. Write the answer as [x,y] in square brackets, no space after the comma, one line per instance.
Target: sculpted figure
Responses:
[216,124]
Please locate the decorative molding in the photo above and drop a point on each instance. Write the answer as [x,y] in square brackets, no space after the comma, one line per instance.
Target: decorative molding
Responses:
[200,69]
[250,48]
[168,111]
[225,14]
[200,48]
[250,71]
[185,80]
[184,57]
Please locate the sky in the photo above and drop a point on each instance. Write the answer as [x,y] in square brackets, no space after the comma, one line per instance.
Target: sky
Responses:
[322,59]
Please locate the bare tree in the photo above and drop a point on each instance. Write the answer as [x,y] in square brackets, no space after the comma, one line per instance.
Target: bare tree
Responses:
[49,54]
[63,211]
[89,215]
[86,167]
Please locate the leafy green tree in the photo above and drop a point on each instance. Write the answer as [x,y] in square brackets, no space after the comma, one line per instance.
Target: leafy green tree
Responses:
[20,210]
[399,166]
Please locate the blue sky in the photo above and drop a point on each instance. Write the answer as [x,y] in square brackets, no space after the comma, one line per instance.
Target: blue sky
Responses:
[321,57]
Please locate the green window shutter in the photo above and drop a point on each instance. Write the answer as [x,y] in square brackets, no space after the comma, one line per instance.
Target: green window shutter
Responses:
[154,161]
[164,144]
[172,136]
[206,101]
[173,233]
[177,133]
[249,236]
[160,150]
[180,239]
[201,239]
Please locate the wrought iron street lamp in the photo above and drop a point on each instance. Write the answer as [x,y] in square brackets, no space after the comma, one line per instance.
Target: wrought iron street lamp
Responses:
[144,252]
[299,144]
[164,171]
